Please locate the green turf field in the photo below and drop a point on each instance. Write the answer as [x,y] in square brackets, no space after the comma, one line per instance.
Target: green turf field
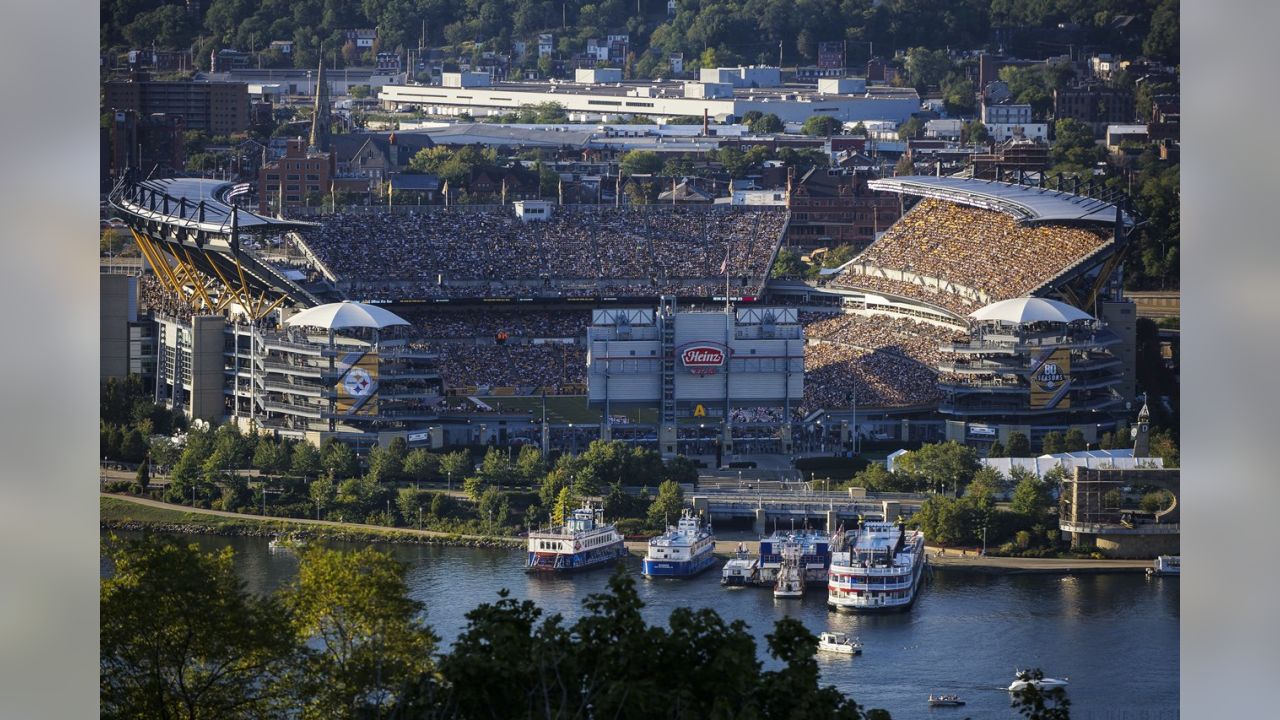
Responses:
[573,409]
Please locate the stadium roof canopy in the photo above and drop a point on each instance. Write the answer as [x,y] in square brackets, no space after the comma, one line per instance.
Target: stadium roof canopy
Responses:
[193,203]
[1028,203]
[346,314]
[1030,310]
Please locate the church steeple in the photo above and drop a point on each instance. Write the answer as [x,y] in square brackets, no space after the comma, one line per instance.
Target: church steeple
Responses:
[320,117]
[1142,434]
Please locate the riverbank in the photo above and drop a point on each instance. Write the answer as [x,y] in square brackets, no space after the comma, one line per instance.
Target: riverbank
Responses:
[994,565]
[122,512]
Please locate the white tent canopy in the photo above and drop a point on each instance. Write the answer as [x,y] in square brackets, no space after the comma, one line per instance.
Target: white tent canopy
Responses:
[346,314]
[1030,310]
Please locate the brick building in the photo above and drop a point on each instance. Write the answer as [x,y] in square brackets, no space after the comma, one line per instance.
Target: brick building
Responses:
[151,143]
[831,208]
[215,108]
[301,172]
[1094,104]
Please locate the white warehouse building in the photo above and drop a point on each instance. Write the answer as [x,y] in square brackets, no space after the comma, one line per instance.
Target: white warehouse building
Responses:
[719,101]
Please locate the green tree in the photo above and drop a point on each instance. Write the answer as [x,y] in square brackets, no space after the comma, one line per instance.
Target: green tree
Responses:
[531,467]
[420,465]
[385,465]
[821,126]
[1018,446]
[1162,39]
[1074,149]
[1036,703]
[411,502]
[306,459]
[133,446]
[269,456]
[666,507]
[911,128]
[943,467]
[1053,442]
[987,483]
[767,124]
[679,469]
[455,465]
[338,459]
[639,162]
[475,487]
[566,502]
[365,637]
[976,132]
[1030,495]
[877,478]
[322,492]
[143,478]
[493,508]
[496,470]
[181,637]
[927,67]
[1074,441]
[789,265]
[997,450]
[946,521]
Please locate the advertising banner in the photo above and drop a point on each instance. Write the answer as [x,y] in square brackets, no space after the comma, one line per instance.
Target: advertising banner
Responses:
[357,387]
[1051,379]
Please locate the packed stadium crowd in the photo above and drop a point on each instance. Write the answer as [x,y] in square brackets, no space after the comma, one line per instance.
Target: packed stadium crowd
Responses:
[980,249]
[914,339]
[488,324]
[553,366]
[618,250]
[153,295]
[838,376]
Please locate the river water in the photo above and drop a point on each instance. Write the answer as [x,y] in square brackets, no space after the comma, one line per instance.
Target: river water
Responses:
[1114,636]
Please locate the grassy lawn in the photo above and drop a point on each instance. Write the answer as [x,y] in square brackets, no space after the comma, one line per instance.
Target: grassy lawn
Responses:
[117,510]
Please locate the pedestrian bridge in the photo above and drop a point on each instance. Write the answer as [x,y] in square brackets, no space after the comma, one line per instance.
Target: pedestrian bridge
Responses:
[826,510]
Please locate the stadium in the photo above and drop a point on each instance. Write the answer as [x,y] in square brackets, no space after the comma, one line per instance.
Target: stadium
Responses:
[506,323]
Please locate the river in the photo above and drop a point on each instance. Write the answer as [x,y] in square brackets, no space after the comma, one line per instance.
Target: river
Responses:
[1115,635]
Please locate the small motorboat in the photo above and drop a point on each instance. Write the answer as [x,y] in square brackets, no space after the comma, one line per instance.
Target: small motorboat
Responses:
[1041,683]
[838,642]
[945,700]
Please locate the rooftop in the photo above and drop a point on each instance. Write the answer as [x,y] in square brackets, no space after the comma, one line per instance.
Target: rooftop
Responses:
[1029,204]
[195,203]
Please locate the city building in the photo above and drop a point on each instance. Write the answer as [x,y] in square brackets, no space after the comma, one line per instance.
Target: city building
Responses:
[1007,159]
[153,144]
[215,108]
[1006,113]
[722,95]
[289,180]
[832,207]
[1095,104]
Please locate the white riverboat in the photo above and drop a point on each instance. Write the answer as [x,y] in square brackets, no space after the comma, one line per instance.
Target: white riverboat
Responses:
[740,570]
[584,541]
[815,554]
[838,642]
[1166,565]
[684,550]
[879,570]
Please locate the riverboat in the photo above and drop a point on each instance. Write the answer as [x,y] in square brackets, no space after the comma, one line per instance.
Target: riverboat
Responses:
[789,582]
[741,569]
[880,570]
[585,541]
[815,554]
[684,550]
[945,700]
[1166,565]
[1042,683]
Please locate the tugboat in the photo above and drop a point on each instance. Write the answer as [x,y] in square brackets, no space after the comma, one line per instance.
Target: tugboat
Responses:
[682,551]
[838,642]
[584,541]
[790,580]
[741,570]
[945,700]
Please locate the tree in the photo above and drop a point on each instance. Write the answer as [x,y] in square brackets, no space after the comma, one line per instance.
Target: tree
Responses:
[306,459]
[877,478]
[385,465]
[944,467]
[322,492]
[904,166]
[639,162]
[1074,149]
[1074,441]
[181,637]
[946,521]
[133,446]
[455,465]
[1018,446]
[666,507]
[566,502]
[269,456]
[789,265]
[1165,446]
[530,465]
[143,478]
[1053,442]
[496,469]
[997,450]
[338,459]
[911,128]
[364,635]
[821,126]
[766,125]
[679,469]
[1162,39]
[976,132]
[987,483]
[927,67]
[1030,495]
[421,465]
[411,502]
[493,508]
[475,487]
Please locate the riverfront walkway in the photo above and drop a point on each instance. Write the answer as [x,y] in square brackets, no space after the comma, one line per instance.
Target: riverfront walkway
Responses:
[974,562]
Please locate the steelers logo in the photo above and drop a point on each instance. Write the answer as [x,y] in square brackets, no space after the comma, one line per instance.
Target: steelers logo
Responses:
[357,383]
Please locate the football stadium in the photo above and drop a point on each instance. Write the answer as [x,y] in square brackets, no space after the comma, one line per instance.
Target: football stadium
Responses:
[989,307]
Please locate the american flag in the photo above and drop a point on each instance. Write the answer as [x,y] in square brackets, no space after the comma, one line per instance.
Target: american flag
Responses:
[724,265]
